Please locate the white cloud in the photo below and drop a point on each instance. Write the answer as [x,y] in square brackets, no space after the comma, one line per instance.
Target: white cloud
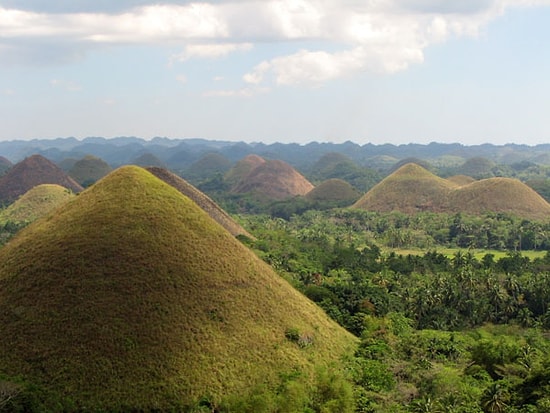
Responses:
[210,51]
[181,78]
[350,36]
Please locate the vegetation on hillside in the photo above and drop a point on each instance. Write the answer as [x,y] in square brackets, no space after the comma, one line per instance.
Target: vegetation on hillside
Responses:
[438,333]
[131,298]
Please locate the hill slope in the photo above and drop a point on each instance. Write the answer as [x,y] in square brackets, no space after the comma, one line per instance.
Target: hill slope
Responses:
[132,298]
[410,189]
[36,203]
[274,179]
[499,195]
[413,189]
[30,172]
[202,200]
[333,190]
[89,169]
[5,164]
[242,168]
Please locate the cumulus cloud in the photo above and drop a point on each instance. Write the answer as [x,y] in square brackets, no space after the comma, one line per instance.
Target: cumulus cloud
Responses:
[327,39]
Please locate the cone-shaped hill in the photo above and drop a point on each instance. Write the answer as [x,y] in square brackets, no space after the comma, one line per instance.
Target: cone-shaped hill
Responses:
[208,166]
[413,189]
[499,195]
[410,189]
[274,179]
[333,190]
[35,203]
[201,199]
[30,172]
[89,169]
[242,168]
[148,159]
[130,297]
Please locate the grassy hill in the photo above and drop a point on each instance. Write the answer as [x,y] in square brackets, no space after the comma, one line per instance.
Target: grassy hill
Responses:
[242,168]
[273,179]
[30,172]
[207,166]
[410,189]
[333,190]
[477,167]
[89,169]
[202,200]
[148,159]
[130,297]
[499,195]
[413,189]
[35,203]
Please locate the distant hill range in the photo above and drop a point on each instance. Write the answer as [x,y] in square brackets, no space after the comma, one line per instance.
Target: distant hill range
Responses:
[30,172]
[180,154]
[412,189]
[132,298]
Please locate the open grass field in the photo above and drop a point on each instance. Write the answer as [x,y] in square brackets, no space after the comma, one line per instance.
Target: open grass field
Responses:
[478,253]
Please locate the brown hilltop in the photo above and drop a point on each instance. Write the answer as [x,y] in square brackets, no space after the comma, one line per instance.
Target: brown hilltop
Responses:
[413,189]
[499,195]
[30,172]
[243,168]
[201,199]
[274,179]
[410,189]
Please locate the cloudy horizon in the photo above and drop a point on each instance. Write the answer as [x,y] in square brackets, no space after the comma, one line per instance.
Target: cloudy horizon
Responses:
[380,71]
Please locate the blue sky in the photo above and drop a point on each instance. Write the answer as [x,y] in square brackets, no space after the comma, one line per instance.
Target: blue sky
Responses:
[379,71]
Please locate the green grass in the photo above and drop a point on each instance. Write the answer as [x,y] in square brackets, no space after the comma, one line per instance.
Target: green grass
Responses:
[201,199]
[35,203]
[478,253]
[412,189]
[131,297]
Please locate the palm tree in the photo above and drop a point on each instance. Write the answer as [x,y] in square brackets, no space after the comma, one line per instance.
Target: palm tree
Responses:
[494,399]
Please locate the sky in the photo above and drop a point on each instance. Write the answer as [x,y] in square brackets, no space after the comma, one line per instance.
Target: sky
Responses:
[366,71]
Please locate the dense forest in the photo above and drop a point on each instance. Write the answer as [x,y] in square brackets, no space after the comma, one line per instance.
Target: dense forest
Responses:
[460,331]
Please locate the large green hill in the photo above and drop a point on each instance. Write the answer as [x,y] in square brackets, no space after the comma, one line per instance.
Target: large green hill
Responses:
[35,203]
[130,297]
